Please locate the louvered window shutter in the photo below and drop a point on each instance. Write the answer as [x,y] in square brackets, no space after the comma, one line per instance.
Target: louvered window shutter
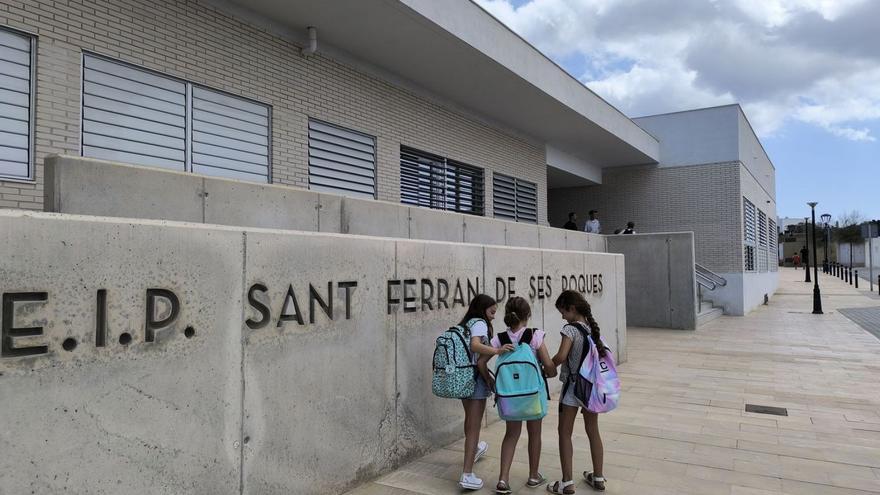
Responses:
[133,116]
[137,116]
[341,160]
[16,105]
[230,136]
[515,199]
[435,182]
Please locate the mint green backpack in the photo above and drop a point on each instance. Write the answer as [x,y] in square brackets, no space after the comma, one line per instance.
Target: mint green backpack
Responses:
[454,370]
[521,391]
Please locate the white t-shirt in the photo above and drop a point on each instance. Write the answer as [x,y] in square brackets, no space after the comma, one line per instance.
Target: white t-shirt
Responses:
[480,329]
[591,226]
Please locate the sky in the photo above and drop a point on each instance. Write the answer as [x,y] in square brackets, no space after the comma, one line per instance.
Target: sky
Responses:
[806,72]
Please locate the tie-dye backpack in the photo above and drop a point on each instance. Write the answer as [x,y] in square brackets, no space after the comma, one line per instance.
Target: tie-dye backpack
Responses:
[520,388]
[596,384]
[453,365]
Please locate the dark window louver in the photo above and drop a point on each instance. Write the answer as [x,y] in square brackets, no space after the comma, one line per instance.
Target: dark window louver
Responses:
[433,181]
[515,199]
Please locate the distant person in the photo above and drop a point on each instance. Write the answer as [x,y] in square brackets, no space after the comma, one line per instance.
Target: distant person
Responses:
[796,260]
[571,224]
[805,256]
[592,225]
[630,228]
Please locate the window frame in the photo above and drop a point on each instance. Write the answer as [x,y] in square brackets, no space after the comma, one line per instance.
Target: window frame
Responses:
[32,110]
[354,131]
[189,85]
[750,247]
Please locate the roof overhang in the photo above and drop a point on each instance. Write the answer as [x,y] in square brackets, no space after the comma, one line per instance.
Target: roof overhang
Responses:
[458,52]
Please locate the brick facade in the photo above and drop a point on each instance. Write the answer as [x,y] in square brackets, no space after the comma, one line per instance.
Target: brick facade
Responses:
[196,42]
[705,199]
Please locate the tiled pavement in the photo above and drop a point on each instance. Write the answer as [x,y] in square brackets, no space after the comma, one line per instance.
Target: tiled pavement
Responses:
[867,318]
[681,427]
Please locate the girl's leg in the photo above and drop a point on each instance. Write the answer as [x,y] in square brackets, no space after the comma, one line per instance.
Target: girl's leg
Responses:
[533,428]
[508,446]
[473,417]
[597,452]
[567,416]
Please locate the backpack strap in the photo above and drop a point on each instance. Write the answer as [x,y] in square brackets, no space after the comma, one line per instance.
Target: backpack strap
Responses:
[504,338]
[465,340]
[585,348]
[527,336]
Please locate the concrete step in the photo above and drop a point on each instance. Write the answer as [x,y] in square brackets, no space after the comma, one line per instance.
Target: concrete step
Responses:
[706,316]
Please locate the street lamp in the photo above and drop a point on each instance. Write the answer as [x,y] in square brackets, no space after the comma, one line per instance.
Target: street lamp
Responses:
[817,300]
[805,252]
[826,218]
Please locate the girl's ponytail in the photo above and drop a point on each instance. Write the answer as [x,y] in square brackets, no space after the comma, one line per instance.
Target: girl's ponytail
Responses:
[516,311]
[571,298]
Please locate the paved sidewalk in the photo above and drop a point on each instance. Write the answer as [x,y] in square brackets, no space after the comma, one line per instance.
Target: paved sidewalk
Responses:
[681,427]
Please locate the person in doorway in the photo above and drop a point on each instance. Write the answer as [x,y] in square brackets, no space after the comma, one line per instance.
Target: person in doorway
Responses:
[630,228]
[478,320]
[571,224]
[516,316]
[592,226]
[578,314]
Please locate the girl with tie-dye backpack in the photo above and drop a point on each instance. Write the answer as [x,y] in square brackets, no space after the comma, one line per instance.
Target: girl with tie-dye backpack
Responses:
[581,342]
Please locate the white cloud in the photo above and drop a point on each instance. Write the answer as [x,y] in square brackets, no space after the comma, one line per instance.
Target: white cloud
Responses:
[813,61]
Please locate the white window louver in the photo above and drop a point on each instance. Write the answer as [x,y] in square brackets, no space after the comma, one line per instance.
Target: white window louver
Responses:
[140,117]
[762,242]
[515,199]
[774,246]
[16,105]
[341,161]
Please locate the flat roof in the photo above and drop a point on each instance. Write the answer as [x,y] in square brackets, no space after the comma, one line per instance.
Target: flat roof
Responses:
[459,52]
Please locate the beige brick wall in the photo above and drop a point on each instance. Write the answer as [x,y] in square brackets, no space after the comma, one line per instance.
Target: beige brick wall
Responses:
[193,41]
[704,199]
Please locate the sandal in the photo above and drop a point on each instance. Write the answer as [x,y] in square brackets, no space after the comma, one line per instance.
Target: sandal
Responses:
[536,482]
[597,482]
[562,487]
[502,488]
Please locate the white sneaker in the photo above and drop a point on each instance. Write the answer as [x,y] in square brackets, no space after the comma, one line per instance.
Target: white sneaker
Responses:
[469,481]
[482,448]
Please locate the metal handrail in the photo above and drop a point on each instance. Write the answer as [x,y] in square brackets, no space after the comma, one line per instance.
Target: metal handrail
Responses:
[710,276]
[706,282]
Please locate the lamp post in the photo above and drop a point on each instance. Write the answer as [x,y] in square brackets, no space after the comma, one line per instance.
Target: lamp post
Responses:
[826,218]
[817,299]
[806,251]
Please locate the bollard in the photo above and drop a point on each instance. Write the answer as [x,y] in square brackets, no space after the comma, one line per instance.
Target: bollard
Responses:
[856,278]
[849,275]
[841,272]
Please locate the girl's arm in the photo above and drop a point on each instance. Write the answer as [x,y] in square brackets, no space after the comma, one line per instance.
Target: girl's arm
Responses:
[546,361]
[564,349]
[487,350]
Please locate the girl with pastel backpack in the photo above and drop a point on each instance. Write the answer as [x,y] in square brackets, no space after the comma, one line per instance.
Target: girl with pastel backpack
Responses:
[520,389]
[590,384]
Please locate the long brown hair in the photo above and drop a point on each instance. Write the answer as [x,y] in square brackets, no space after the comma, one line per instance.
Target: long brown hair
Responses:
[573,298]
[516,311]
[477,309]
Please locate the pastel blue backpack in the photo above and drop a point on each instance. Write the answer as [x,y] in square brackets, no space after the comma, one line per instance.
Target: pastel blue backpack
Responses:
[454,370]
[521,391]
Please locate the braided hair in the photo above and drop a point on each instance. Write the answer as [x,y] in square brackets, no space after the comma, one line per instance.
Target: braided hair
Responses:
[572,298]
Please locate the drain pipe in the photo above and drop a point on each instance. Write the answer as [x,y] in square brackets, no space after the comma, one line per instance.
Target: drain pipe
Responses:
[312,47]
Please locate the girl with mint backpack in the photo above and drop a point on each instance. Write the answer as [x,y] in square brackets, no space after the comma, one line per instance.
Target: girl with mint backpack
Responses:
[478,321]
[578,314]
[516,317]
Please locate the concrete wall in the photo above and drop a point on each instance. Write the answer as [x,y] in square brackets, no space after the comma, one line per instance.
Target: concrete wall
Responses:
[93,187]
[695,137]
[701,199]
[195,41]
[226,399]
[855,253]
[660,278]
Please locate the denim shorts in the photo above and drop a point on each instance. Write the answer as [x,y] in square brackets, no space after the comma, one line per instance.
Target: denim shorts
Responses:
[481,389]
[568,397]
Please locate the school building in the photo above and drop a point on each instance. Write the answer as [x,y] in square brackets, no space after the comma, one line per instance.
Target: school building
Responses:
[206,204]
